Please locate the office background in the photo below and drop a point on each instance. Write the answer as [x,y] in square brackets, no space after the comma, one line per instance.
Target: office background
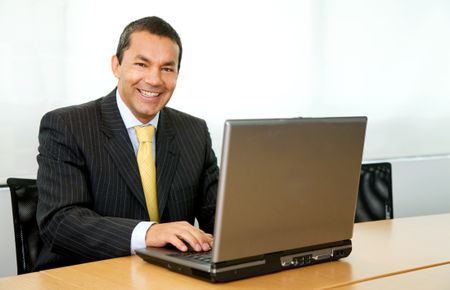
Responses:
[385,59]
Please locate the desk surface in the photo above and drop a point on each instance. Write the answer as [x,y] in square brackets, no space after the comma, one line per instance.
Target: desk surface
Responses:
[433,278]
[380,249]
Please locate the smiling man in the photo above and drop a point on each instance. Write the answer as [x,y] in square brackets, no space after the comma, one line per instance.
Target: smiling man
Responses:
[105,187]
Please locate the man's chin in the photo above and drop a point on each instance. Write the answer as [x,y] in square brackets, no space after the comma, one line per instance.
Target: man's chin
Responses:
[146,116]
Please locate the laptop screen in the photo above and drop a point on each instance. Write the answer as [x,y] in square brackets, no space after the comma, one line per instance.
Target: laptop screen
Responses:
[286,184]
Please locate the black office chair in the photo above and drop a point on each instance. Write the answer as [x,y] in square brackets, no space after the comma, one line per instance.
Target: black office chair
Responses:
[375,193]
[24,196]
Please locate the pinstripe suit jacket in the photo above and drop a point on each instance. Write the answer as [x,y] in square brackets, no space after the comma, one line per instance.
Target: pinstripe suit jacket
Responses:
[90,193]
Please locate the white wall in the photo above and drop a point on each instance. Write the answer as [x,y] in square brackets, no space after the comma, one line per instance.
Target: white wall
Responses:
[421,186]
[8,265]
[386,59]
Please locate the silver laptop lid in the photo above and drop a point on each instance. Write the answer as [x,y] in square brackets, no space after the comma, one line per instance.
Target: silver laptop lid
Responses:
[286,184]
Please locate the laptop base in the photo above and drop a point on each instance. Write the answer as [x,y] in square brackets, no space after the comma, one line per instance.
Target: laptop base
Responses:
[254,266]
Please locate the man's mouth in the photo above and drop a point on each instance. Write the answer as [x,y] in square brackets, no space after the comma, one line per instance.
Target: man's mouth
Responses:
[148,94]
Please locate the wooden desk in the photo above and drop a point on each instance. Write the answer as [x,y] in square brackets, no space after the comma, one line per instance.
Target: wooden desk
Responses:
[380,249]
[433,278]
[37,280]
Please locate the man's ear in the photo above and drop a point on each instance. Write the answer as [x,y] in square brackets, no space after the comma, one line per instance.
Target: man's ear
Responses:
[115,66]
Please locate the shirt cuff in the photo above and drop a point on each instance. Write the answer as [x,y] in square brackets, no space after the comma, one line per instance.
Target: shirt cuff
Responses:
[138,236]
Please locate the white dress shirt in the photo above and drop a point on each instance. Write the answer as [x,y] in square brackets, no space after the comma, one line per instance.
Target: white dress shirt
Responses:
[130,121]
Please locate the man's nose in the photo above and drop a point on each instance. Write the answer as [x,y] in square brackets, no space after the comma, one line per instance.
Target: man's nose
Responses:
[153,77]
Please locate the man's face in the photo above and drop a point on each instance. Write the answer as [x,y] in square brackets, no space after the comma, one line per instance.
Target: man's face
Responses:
[148,74]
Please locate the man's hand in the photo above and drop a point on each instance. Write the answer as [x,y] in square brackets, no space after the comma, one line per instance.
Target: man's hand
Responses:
[179,234]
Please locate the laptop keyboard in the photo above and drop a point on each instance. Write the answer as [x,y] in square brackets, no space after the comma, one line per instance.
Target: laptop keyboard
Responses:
[203,257]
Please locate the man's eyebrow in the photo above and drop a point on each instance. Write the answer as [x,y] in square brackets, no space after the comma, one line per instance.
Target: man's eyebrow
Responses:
[145,59]
[141,57]
[170,63]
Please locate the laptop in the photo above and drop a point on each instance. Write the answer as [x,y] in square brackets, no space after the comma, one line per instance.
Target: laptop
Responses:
[286,198]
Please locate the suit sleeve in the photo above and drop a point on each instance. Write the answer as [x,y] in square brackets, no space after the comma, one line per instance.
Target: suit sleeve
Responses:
[67,221]
[209,184]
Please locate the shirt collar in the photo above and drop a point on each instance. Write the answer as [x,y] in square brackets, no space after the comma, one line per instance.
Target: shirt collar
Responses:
[128,118]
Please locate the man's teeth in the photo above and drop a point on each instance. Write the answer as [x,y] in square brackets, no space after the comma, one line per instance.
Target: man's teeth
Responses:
[148,94]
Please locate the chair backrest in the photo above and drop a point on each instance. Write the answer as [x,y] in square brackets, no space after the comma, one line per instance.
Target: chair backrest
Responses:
[375,193]
[24,196]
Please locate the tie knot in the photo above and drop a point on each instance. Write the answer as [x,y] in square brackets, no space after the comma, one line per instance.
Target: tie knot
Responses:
[145,133]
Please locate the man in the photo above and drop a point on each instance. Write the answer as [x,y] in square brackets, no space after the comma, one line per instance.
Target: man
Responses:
[94,201]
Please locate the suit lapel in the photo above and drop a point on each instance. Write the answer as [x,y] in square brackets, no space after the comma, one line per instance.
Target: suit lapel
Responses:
[119,146]
[167,155]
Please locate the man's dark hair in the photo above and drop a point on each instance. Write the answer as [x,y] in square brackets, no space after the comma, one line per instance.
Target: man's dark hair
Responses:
[153,25]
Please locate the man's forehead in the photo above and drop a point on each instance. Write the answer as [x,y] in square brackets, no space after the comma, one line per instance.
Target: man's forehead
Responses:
[138,37]
[144,33]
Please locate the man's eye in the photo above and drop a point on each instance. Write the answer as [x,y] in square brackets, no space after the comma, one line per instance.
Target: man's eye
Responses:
[167,69]
[140,64]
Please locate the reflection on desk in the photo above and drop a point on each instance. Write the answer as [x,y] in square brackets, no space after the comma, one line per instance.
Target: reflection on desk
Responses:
[380,249]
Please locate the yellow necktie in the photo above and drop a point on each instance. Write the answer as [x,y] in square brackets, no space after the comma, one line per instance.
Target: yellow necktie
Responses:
[147,169]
